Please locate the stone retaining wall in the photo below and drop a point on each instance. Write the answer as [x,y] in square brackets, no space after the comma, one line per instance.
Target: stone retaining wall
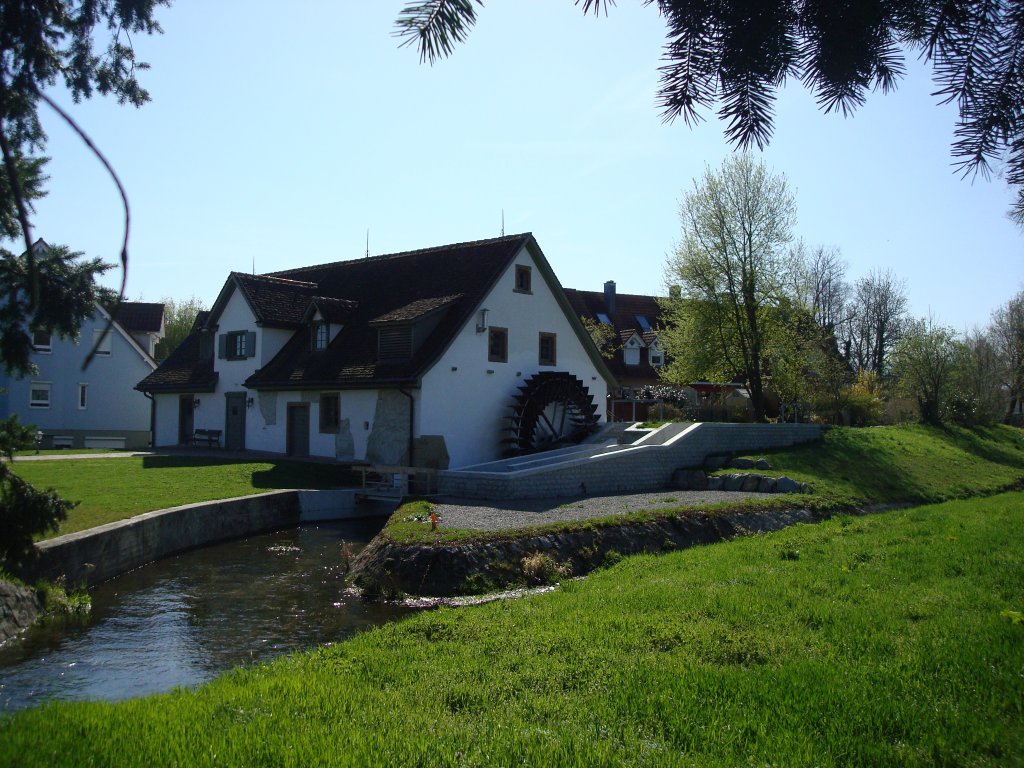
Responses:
[629,470]
[19,607]
[441,570]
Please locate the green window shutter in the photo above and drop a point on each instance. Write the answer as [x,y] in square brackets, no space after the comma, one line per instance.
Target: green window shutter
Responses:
[222,344]
[250,343]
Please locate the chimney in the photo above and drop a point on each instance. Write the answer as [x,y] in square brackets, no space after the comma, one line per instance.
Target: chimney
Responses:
[609,297]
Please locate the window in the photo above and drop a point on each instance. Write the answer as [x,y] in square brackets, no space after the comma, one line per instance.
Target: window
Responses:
[236,345]
[83,396]
[321,335]
[546,355]
[642,322]
[523,279]
[497,345]
[39,394]
[657,359]
[603,318]
[42,341]
[631,353]
[330,412]
[101,341]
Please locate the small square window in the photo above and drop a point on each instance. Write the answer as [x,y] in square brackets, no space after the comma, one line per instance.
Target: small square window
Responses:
[497,345]
[101,341]
[547,351]
[83,396]
[330,412]
[39,394]
[42,341]
[524,280]
[321,335]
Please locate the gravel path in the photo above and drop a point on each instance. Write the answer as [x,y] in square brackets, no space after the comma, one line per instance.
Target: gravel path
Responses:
[522,513]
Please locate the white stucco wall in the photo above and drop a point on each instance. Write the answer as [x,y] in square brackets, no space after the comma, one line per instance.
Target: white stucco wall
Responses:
[468,405]
[112,404]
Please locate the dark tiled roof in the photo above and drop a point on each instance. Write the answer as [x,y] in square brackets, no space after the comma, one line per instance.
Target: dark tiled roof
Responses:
[627,306]
[276,301]
[415,310]
[447,281]
[331,310]
[183,370]
[140,316]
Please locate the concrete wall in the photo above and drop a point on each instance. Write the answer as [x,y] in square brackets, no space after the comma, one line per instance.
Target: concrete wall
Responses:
[628,470]
[101,553]
[466,397]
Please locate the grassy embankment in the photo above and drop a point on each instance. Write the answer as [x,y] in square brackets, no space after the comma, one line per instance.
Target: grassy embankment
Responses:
[114,489]
[849,468]
[889,639]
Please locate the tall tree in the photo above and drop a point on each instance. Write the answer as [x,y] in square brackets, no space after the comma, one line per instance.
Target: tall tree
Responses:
[1007,333]
[738,53]
[924,362]
[875,320]
[732,264]
[179,317]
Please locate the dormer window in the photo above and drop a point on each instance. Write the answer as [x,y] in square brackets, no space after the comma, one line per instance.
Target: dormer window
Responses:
[394,343]
[641,320]
[320,336]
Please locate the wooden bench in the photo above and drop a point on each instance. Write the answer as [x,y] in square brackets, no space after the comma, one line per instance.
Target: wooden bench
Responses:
[208,437]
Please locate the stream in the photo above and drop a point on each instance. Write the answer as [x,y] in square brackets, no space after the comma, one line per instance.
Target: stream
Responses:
[185,619]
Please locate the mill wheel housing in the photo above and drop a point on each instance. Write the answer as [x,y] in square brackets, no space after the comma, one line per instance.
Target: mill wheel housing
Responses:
[550,409]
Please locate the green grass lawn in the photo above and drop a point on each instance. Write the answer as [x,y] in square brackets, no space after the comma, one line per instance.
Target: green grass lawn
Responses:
[113,489]
[894,639]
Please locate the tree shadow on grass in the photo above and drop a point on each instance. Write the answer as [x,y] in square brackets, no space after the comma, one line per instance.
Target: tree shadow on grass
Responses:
[1000,445]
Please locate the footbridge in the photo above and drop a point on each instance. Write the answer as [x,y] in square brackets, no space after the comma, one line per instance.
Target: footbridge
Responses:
[609,467]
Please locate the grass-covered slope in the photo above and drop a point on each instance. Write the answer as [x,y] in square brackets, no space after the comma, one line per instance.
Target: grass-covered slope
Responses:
[114,489]
[906,463]
[887,640]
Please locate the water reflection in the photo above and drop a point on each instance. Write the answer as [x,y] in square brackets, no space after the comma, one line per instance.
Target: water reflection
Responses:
[183,620]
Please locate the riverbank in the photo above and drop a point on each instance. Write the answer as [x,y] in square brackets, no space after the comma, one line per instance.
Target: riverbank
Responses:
[886,639]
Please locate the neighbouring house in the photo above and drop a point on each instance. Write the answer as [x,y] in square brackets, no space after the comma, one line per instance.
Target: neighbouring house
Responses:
[440,357]
[637,355]
[97,407]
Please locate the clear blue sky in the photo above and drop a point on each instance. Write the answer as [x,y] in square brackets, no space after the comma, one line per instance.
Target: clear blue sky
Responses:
[279,133]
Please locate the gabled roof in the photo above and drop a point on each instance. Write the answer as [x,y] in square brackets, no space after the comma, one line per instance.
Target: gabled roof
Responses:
[140,316]
[448,281]
[590,304]
[441,287]
[275,301]
[331,310]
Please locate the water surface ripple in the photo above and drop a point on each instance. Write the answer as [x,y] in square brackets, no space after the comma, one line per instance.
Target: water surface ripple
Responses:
[185,619]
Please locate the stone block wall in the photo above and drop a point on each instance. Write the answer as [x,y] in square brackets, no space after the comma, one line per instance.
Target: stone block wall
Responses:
[626,470]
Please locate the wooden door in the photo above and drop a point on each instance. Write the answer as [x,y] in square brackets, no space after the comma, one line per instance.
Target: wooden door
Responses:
[298,429]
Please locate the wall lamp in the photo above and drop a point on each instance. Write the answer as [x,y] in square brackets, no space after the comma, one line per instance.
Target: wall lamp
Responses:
[249,402]
[481,324]
[195,403]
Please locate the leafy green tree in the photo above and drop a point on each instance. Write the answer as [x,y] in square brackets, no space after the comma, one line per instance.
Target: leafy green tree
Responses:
[179,317]
[738,53]
[925,363]
[1006,332]
[732,265]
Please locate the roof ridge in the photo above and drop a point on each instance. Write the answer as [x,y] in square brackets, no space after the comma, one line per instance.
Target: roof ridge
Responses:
[272,278]
[416,251]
